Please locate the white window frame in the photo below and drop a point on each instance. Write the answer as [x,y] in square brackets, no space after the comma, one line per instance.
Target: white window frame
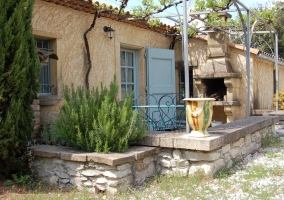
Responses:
[135,71]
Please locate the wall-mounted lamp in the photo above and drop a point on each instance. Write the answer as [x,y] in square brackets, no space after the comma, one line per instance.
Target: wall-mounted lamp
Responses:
[109,30]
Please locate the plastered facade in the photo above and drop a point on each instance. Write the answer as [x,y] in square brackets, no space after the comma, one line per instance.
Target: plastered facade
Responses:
[65,27]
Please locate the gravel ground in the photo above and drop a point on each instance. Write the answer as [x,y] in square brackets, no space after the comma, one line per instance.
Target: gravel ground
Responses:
[258,176]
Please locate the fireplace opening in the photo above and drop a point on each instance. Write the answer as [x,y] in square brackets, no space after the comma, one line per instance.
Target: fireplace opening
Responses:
[215,88]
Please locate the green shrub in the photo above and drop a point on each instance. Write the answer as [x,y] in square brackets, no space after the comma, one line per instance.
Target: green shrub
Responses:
[49,136]
[19,72]
[280,100]
[96,121]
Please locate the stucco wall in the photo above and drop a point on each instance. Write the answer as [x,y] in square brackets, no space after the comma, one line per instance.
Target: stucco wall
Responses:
[66,27]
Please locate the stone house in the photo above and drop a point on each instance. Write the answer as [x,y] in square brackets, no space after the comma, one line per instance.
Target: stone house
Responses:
[141,58]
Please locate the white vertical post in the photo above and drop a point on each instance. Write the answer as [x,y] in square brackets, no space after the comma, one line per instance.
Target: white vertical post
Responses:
[248,61]
[185,54]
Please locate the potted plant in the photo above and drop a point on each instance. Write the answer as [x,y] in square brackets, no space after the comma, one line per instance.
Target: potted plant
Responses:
[199,113]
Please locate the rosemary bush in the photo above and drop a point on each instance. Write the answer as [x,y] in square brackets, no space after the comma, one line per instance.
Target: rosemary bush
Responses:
[95,120]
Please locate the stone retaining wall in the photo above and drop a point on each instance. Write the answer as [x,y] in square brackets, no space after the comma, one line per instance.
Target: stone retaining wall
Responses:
[160,152]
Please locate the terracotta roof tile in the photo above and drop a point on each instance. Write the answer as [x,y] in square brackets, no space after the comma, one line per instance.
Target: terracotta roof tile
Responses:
[88,7]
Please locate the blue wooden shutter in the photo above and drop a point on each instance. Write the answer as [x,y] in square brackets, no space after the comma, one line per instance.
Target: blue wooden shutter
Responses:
[160,71]
[160,80]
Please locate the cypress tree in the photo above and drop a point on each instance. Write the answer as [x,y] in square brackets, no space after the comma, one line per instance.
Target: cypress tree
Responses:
[19,71]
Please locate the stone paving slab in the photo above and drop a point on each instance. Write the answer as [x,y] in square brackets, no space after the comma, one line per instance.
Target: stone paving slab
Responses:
[112,159]
[219,135]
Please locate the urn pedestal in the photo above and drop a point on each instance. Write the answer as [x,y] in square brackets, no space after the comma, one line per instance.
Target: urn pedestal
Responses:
[199,113]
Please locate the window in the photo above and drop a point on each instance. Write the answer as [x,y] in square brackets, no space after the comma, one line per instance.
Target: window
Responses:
[44,79]
[128,72]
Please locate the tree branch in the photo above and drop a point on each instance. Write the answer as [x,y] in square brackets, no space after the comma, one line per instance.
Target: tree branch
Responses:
[89,64]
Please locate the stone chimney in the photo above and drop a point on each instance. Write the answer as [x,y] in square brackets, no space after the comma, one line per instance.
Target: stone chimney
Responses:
[218,59]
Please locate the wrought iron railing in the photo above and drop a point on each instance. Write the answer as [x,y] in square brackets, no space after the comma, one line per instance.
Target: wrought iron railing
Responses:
[165,113]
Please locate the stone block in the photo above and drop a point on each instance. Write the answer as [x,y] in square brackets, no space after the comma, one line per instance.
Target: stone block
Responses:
[229,164]
[59,168]
[219,164]
[200,156]
[243,151]
[76,166]
[88,184]
[148,160]
[35,107]
[251,148]
[140,152]
[150,140]
[235,152]
[165,155]
[35,102]
[73,173]
[207,168]
[139,165]
[183,163]
[174,163]
[114,183]
[165,163]
[78,181]
[117,174]
[90,172]
[101,167]
[123,167]
[177,154]
[148,172]
[62,175]
[111,159]
[257,137]
[227,157]
[166,142]
[239,142]
[101,180]
[37,114]
[53,180]
[226,149]
[248,138]
[64,181]
[73,157]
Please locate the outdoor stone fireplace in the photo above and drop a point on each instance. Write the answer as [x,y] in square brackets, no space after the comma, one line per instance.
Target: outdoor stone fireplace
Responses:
[217,78]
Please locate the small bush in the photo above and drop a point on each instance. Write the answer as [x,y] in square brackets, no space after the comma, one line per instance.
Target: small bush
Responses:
[49,136]
[280,100]
[96,121]
[224,172]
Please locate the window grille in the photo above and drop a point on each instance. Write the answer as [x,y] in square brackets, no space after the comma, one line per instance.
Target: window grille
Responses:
[127,63]
[44,79]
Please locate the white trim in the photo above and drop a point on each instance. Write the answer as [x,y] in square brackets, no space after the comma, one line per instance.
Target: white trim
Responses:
[135,70]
